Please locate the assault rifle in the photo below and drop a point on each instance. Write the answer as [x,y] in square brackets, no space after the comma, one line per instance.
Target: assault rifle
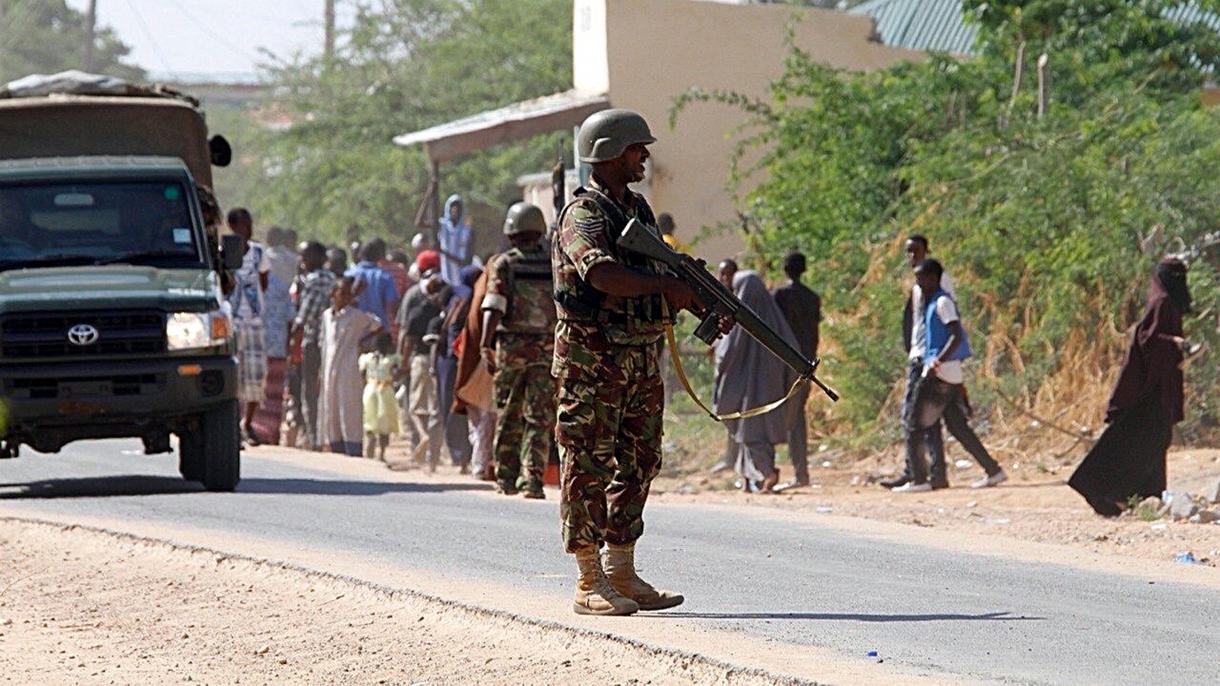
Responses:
[717,301]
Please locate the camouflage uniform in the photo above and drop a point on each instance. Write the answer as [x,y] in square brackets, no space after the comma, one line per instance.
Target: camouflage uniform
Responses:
[520,289]
[611,397]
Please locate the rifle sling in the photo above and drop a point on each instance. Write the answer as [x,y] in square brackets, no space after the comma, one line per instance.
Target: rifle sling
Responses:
[672,342]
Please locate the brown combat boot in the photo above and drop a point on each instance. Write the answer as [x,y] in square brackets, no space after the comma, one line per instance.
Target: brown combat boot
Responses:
[620,570]
[594,594]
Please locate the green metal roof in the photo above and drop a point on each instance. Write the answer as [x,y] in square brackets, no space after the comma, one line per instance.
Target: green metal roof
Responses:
[1190,13]
[933,25]
[938,25]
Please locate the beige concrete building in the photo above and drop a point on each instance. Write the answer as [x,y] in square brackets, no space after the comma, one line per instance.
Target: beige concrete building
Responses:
[642,54]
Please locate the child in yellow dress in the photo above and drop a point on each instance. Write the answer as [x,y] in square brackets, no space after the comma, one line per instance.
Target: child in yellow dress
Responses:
[380,368]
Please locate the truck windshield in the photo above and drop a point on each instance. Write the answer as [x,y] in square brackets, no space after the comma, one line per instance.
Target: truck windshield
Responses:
[50,224]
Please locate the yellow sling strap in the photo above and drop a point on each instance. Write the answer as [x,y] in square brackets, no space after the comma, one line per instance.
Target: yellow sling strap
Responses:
[672,341]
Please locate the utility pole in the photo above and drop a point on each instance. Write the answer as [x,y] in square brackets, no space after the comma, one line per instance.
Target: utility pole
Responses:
[1044,84]
[329,51]
[90,26]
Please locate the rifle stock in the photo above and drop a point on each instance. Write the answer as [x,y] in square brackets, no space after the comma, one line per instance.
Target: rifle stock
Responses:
[717,301]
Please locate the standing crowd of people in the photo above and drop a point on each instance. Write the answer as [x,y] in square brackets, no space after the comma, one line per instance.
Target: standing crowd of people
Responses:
[341,354]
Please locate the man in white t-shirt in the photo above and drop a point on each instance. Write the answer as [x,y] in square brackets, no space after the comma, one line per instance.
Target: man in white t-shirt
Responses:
[938,392]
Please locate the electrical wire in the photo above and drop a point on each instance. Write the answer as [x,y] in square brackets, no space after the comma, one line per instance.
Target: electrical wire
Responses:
[214,34]
[152,42]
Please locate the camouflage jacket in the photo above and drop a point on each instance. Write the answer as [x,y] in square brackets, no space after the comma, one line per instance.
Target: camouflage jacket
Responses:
[519,288]
[585,239]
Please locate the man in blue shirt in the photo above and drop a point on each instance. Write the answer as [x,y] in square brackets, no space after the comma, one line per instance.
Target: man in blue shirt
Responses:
[377,294]
[938,392]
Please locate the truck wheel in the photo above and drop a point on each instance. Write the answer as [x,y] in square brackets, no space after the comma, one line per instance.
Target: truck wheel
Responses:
[221,448]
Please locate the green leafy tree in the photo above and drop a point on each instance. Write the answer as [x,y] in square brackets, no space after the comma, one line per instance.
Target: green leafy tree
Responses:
[1051,224]
[47,36]
[403,66]
[1133,39]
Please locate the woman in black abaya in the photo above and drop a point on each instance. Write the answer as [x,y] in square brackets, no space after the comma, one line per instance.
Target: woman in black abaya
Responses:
[1129,458]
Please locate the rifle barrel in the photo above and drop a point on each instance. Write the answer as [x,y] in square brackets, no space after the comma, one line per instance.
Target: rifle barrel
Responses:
[723,301]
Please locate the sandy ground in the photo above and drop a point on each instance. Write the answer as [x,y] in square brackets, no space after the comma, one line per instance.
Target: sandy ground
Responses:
[1034,505]
[83,607]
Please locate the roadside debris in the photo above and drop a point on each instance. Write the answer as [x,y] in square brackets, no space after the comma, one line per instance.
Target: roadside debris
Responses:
[1213,493]
[1185,507]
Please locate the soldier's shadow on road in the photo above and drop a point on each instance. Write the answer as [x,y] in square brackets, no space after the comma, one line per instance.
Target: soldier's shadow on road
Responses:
[851,617]
[139,485]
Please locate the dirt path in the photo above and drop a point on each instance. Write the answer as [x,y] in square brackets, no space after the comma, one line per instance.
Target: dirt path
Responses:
[1036,505]
[78,606]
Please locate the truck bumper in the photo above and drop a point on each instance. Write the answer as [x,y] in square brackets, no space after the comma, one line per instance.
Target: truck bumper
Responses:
[52,404]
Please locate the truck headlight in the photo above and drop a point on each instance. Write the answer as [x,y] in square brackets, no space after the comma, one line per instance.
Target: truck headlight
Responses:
[196,330]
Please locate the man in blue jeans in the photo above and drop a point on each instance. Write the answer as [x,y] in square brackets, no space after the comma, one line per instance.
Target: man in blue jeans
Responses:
[938,392]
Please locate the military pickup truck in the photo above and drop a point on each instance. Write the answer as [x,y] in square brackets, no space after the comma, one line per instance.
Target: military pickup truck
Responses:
[112,319]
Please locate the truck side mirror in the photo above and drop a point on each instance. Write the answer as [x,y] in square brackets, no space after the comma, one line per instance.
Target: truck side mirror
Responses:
[232,250]
[220,151]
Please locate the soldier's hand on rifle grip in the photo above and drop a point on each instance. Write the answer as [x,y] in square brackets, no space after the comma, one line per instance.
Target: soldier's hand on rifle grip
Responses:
[726,325]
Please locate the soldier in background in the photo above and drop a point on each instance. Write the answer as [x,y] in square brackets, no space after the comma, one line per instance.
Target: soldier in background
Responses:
[611,307]
[517,347]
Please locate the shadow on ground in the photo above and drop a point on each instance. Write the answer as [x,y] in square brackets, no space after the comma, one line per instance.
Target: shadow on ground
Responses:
[137,485]
[849,617]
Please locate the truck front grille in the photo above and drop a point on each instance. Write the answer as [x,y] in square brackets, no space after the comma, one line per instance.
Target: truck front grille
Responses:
[46,335]
[87,387]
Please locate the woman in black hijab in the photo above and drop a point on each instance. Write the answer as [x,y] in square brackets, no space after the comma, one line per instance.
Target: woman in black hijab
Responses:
[1129,458]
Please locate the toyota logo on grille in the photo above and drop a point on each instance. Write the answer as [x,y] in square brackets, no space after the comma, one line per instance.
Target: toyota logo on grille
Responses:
[82,334]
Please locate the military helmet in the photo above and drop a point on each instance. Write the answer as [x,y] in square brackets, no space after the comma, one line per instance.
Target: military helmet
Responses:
[605,135]
[522,218]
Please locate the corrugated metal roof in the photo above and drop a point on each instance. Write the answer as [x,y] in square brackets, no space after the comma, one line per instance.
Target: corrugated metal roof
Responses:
[921,24]
[1190,13]
[517,121]
[938,25]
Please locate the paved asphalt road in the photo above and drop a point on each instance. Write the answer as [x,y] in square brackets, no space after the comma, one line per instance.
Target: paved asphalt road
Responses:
[950,614]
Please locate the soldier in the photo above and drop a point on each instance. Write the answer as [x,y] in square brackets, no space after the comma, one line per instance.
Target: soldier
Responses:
[517,346]
[611,307]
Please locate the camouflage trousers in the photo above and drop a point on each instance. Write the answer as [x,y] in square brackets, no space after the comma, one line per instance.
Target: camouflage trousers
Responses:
[525,403]
[609,433]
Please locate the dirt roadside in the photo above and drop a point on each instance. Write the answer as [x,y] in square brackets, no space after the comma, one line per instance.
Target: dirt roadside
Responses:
[1035,505]
[79,606]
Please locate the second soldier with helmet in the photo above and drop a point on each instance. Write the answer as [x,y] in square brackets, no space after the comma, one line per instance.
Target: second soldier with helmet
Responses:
[516,347]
